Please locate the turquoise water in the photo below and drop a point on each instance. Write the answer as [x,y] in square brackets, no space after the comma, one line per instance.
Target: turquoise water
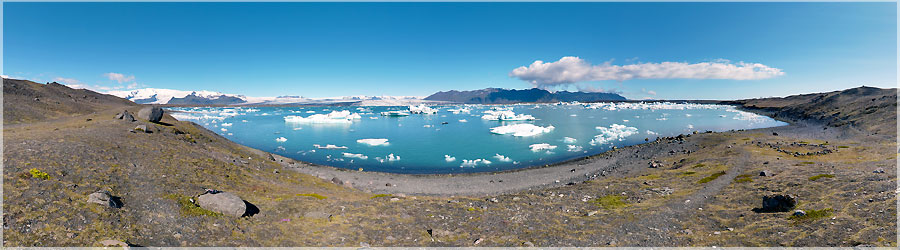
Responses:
[448,142]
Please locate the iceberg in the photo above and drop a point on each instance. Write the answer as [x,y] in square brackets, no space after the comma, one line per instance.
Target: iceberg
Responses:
[224,130]
[460,110]
[281,139]
[449,158]
[652,133]
[226,124]
[522,129]
[505,115]
[541,146]
[500,157]
[473,163]
[463,120]
[613,132]
[390,157]
[422,109]
[333,117]
[573,148]
[329,146]
[394,113]
[358,156]
[373,142]
[569,140]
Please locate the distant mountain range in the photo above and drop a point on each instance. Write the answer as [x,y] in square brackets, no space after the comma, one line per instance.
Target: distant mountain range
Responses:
[504,96]
[482,96]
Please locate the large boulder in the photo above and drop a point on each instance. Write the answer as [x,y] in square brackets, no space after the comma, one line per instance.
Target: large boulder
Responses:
[222,202]
[104,198]
[152,114]
[778,203]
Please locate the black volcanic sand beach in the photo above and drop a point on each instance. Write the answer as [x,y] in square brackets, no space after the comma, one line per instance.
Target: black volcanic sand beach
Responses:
[837,159]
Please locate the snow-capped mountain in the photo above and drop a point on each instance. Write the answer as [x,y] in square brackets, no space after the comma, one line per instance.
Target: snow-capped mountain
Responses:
[171,96]
[182,97]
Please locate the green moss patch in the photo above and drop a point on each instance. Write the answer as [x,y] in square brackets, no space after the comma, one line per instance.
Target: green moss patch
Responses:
[812,215]
[699,165]
[688,173]
[380,195]
[317,196]
[610,201]
[38,174]
[711,177]
[813,178]
[188,207]
[743,178]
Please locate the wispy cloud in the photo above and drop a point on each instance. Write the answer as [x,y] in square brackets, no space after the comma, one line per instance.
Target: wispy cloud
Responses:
[570,69]
[67,81]
[121,78]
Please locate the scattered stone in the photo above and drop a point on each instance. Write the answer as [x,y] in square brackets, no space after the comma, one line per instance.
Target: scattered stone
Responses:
[152,114]
[717,233]
[395,199]
[103,198]
[777,203]
[878,171]
[775,134]
[612,243]
[336,180]
[516,198]
[388,185]
[765,173]
[141,128]
[222,202]
[113,243]
[799,212]
[478,241]
[494,200]
[663,190]
[317,215]
[592,213]
[271,157]
[528,244]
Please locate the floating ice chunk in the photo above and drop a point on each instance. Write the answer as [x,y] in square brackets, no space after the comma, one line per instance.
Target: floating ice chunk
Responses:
[426,126]
[298,128]
[281,139]
[652,133]
[690,125]
[573,148]
[224,130]
[747,116]
[688,115]
[358,156]
[505,115]
[613,132]
[230,134]
[311,112]
[541,146]
[422,109]
[569,140]
[573,115]
[390,157]
[449,158]
[373,142]
[723,116]
[329,146]
[522,129]
[463,120]
[394,113]
[226,124]
[624,120]
[333,117]
[460,110]
[373,117]
[662,119]
[502,158]
[473,163]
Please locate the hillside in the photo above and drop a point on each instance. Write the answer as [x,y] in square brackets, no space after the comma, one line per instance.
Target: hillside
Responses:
[505,96]
[27,101]
[866,108]
[704,193]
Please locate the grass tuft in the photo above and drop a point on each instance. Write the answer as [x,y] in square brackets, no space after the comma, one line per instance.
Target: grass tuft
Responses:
[813,178]
[317,196]
[610,201]
[812,215]
[688,173]
[743,178]
[380,195]
[38,174]
[711,177]
[699,165]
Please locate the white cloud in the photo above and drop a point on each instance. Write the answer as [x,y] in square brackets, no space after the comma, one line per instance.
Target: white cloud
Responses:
[133,85]
[121,78]
[67,81]
[572,69]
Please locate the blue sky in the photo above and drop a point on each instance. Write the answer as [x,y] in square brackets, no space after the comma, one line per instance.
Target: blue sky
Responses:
[336,49]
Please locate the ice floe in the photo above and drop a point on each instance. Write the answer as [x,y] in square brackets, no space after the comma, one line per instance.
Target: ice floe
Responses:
[505,115]
[613,132]
[226,124]
[390,157]
[422,109]
[358,156]
[569,140]
[281,139]
[460,110]
[473,163]
[449,158]
[329,146]
[395,113]
[463,120]
[333,117]
[373,142]
[502,158]
[522,129]
[541,146]
[651,132]
[224,130]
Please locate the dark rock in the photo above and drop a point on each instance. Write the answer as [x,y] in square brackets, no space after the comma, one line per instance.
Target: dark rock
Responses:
[336,180]
[388,185]
[494,200]
[527,244]
[152,114]
[799,213]
[222,202]
[142,128]
[878,171]
[777,203]
[271,157]
[104,198]
[765,173]
[775,134]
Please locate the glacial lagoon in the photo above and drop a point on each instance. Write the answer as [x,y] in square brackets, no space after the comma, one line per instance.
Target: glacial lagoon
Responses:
[461,138]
